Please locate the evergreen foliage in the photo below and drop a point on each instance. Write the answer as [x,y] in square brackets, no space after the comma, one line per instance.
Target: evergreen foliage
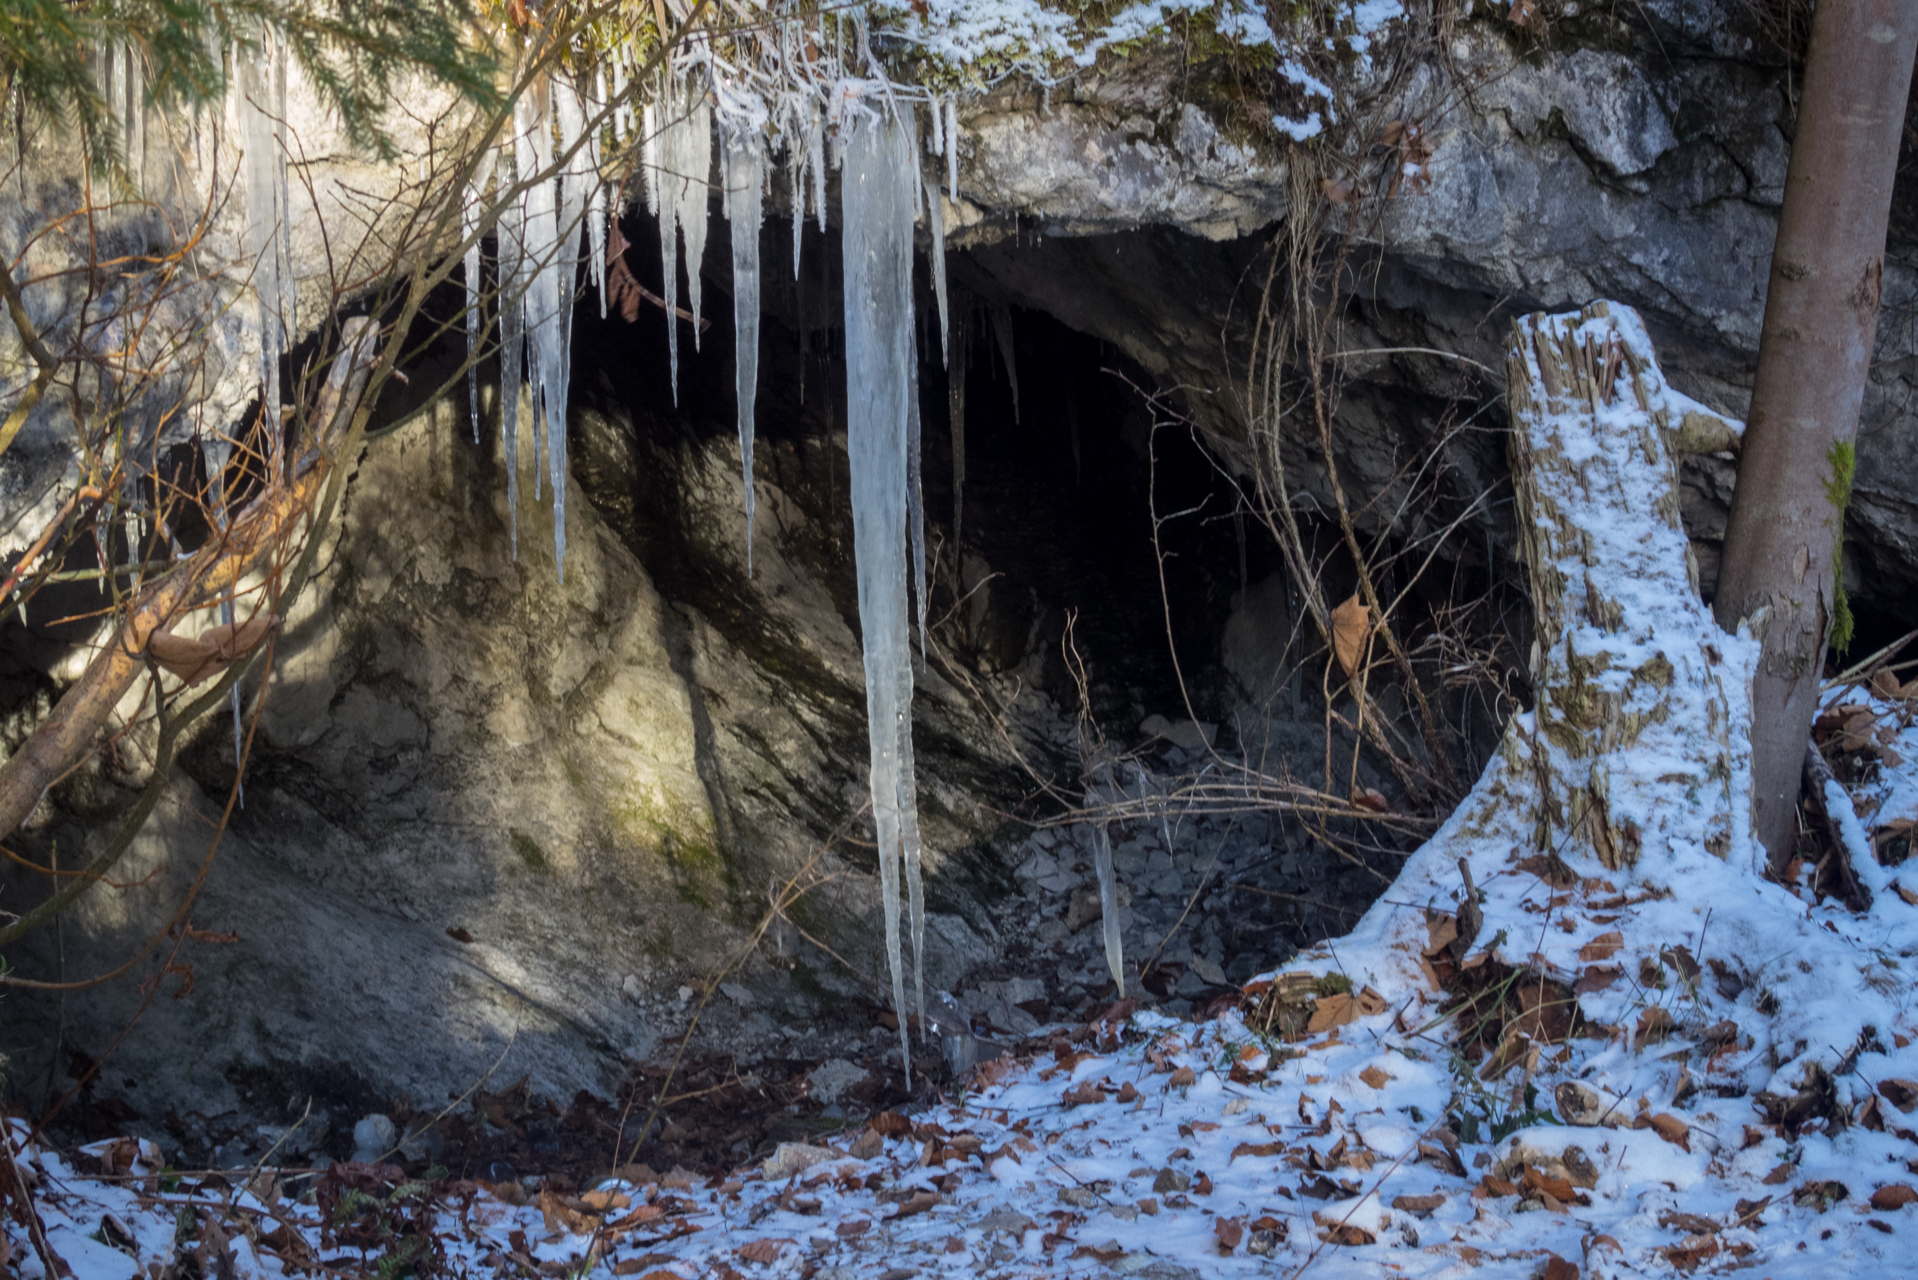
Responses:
[353,52]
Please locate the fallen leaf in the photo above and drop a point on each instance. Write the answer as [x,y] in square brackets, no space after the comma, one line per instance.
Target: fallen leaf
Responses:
[1900,1093]
[1597,978]
[1127,1093]
[605,1201]
[1894,1195]
[1419,1206]
[1369,799]
[1375,1077]
[1351,623]
[1230,1232]
[1256,1149]
[1107,1256]
[1556,1268]
[851,1230]
[1669,1127]
[1603,947]
[1559,1189]
[1183,1078]
[890,1124]
[1088,1092]
[763,1250]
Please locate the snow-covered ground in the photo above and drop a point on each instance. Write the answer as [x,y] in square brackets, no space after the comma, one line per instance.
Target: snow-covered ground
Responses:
[1139,1144]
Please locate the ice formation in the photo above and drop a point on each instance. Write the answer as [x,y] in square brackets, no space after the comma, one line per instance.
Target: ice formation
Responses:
[745,177]
[958,356]
[512,289]
[1002,334]
[471,224]
[683,149]
[261,107]
[876,199]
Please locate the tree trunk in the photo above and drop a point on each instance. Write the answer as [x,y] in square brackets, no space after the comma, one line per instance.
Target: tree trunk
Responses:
[1821,316]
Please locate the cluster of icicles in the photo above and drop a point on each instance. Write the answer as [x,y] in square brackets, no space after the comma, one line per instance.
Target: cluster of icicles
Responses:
[883,193]
[874,138]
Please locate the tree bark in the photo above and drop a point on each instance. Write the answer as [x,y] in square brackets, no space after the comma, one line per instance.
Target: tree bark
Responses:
[1814,352]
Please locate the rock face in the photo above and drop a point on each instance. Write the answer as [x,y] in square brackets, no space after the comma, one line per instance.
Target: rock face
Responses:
[494,822]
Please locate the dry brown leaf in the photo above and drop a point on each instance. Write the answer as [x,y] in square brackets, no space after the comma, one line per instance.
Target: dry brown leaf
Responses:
[1603,947]
[1331,1011]
[1558,1188]
[763,1250]
[1597,978]
[1895,1195]
[1351,624]
[1256,1149]
[1230,1231]
[1418,1205]
[212,651]
[1374,1077]
[1183,1078]
[1556,1268]
[1370,800]
[1669,1127]
[1899,1092]
[604,1201]
[559,1217]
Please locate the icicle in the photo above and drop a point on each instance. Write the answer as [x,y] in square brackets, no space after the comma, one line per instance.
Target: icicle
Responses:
[952,149]
[577,179]
[876,218]
[796,164]
[685,161]
[816,145]
[116,95]
[956,366]
[471,224]
[533,143]
[935,144]
[262,161]
[916,501]
[936,220]
[649,156]
[1109,906]
[136,133]
[696,162]
[511,293]
[289,318]
[216,450]
[1002,331]
[745,176]
[586,171]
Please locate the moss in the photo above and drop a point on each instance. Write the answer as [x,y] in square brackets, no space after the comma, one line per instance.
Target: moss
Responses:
[529,851]
[1844,465]
[1332,984]
[684,838]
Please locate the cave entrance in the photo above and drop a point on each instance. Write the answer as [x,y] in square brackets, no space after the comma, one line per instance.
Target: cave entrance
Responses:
[1072,460]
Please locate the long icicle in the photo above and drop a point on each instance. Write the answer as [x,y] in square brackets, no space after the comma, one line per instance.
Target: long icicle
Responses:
[745,178]
[936,220]
[512,290]
[876,222]
[575,182]
[956,366]
[916,498]
[1002,333]
[472,221]
[261,159]
[533,143]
